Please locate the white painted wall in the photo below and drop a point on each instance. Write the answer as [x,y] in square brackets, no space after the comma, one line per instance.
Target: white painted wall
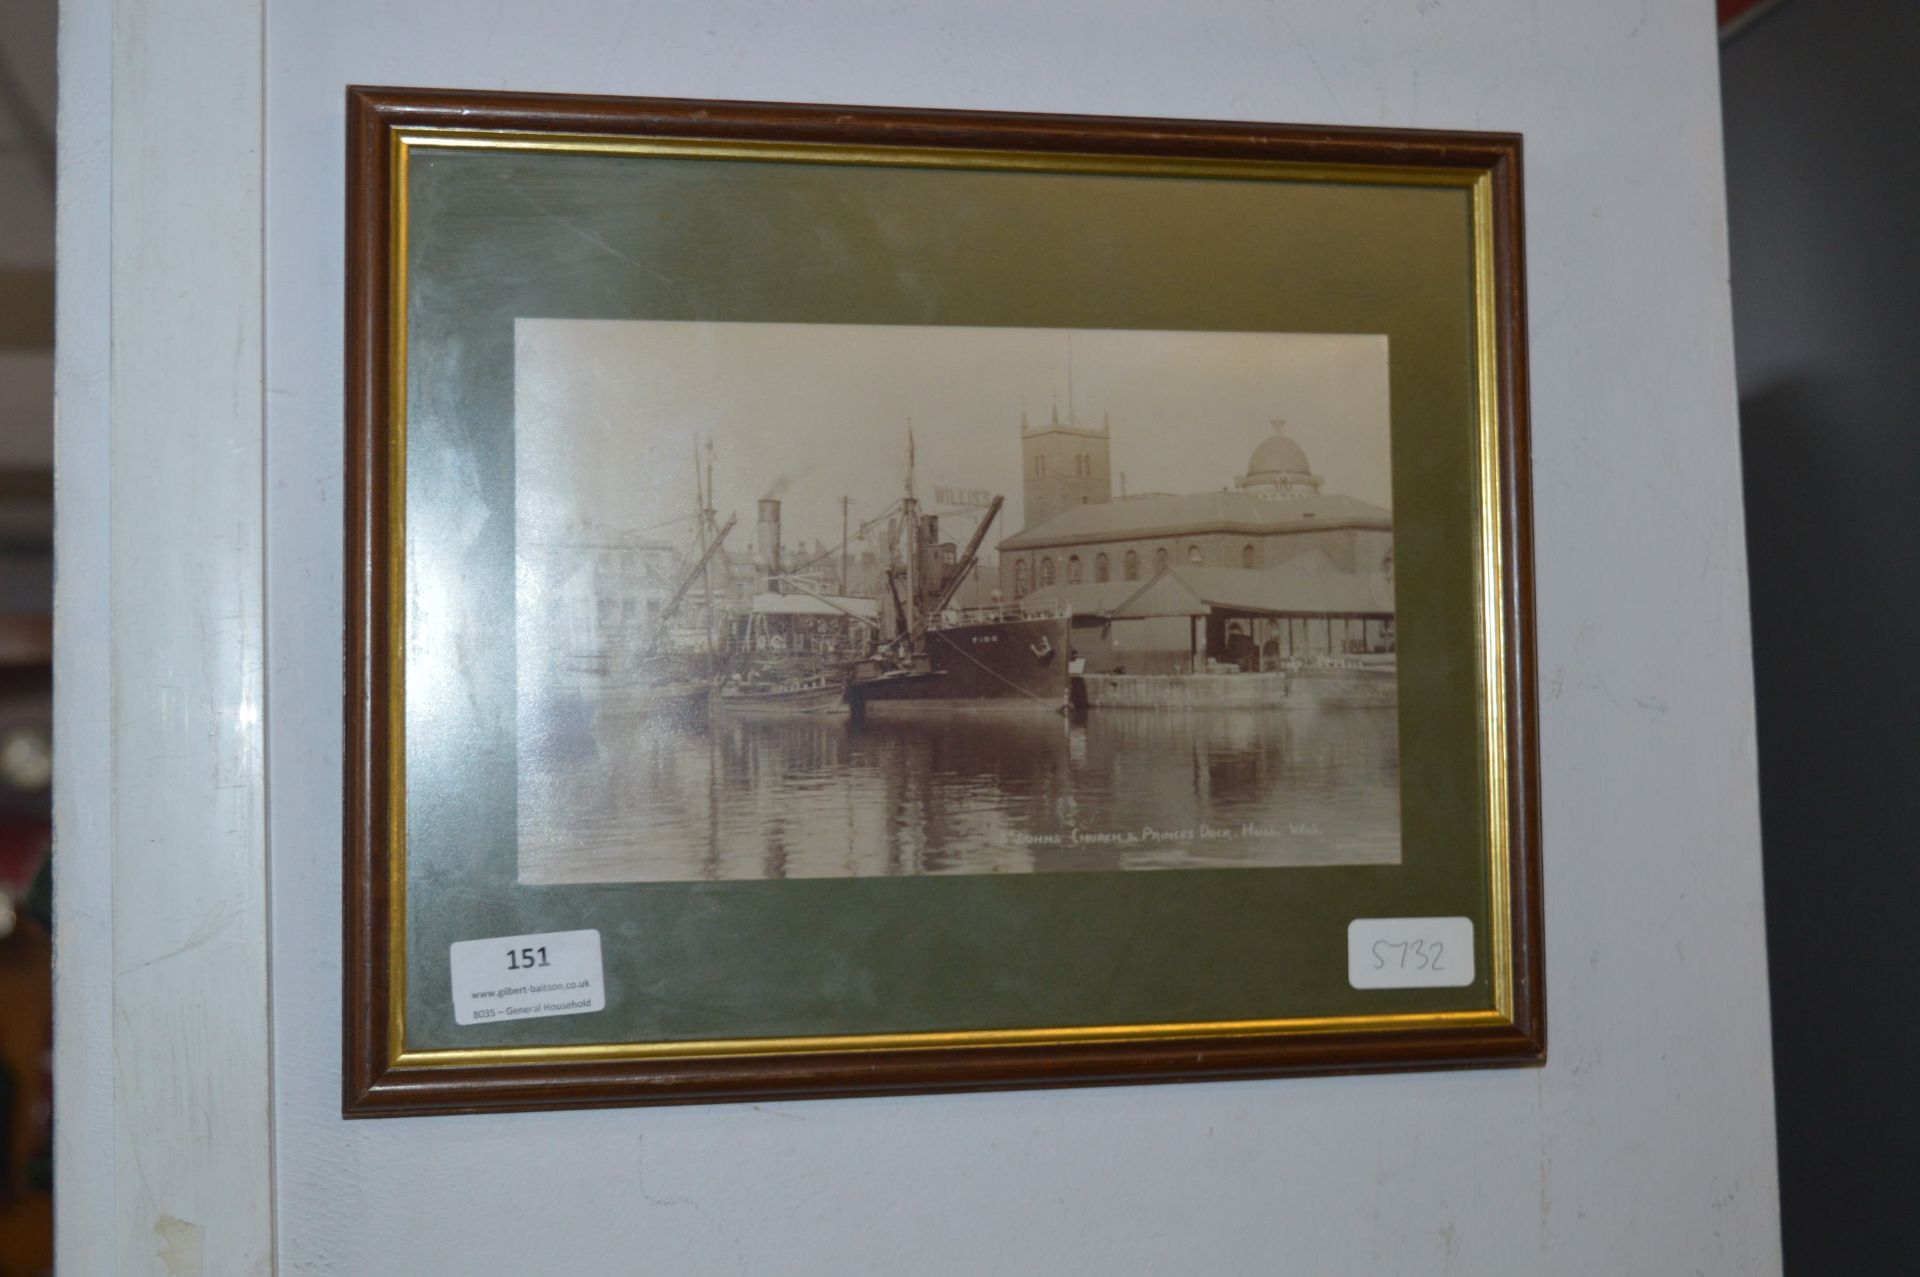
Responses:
[1645,1147]
[162,1064]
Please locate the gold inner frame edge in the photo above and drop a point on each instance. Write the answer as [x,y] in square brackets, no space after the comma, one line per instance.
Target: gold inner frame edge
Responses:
[1478,182]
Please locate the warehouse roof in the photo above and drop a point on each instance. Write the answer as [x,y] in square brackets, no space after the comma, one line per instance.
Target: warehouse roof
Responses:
[1293,591]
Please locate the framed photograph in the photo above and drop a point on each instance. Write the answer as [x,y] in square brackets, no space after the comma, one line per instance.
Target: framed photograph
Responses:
[850,600]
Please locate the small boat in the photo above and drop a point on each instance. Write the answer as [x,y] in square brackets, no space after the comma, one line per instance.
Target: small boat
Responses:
[823,693]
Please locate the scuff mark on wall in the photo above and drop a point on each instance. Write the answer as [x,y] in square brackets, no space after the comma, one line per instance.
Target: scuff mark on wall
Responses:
[180,1246]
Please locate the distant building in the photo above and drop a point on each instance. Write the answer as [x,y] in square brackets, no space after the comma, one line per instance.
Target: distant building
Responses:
[601,591]
[1262,570]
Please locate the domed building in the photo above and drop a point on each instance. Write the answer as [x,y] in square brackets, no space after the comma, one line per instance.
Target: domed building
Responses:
[1278,469]
[1313,569]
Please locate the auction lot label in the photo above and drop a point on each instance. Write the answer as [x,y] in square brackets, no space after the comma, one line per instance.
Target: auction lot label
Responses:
[527,977]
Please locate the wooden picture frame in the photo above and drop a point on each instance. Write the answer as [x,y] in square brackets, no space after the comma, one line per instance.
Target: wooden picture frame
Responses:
[474,217]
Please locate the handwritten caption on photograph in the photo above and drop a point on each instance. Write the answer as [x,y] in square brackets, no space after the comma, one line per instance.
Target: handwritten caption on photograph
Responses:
[1410,953]
[527,977]
[1148,835]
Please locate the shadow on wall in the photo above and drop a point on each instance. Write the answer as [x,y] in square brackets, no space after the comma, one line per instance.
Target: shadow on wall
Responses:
[1834,628]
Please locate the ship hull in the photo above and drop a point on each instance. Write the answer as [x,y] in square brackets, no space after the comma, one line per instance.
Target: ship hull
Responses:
[1011,664]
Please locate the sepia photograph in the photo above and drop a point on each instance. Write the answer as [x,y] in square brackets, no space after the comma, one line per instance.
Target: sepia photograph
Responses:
[843,601]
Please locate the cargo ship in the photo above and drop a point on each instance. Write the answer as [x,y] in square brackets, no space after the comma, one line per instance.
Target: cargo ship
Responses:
[933,657]
[980,659]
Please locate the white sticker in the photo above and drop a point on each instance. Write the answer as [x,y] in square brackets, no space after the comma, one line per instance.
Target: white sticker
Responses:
[527,977]
[1409,953]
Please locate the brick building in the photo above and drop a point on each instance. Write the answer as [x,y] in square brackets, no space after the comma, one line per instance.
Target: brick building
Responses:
[1274,512]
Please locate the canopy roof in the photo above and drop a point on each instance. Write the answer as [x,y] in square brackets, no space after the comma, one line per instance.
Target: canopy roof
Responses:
[1197,591]
[1310,585]
[1087,598]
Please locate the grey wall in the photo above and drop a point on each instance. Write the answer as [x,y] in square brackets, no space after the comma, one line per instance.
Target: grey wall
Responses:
[1823,187]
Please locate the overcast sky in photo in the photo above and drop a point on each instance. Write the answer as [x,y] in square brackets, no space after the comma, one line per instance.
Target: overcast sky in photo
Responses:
[608,414]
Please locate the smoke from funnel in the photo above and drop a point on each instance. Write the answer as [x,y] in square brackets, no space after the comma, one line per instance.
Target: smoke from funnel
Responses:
[778,487]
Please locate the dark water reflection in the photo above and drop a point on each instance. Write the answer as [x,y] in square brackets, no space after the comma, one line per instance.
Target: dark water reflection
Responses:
[826,798]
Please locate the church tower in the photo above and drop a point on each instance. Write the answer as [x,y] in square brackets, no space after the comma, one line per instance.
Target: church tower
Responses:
[1066,464]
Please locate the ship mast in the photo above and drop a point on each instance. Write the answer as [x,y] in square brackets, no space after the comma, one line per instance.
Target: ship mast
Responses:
[703,515]
[679,594]
[846,506]
[911,509]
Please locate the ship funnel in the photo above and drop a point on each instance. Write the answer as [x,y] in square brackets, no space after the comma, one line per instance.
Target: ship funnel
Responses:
[767,547]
